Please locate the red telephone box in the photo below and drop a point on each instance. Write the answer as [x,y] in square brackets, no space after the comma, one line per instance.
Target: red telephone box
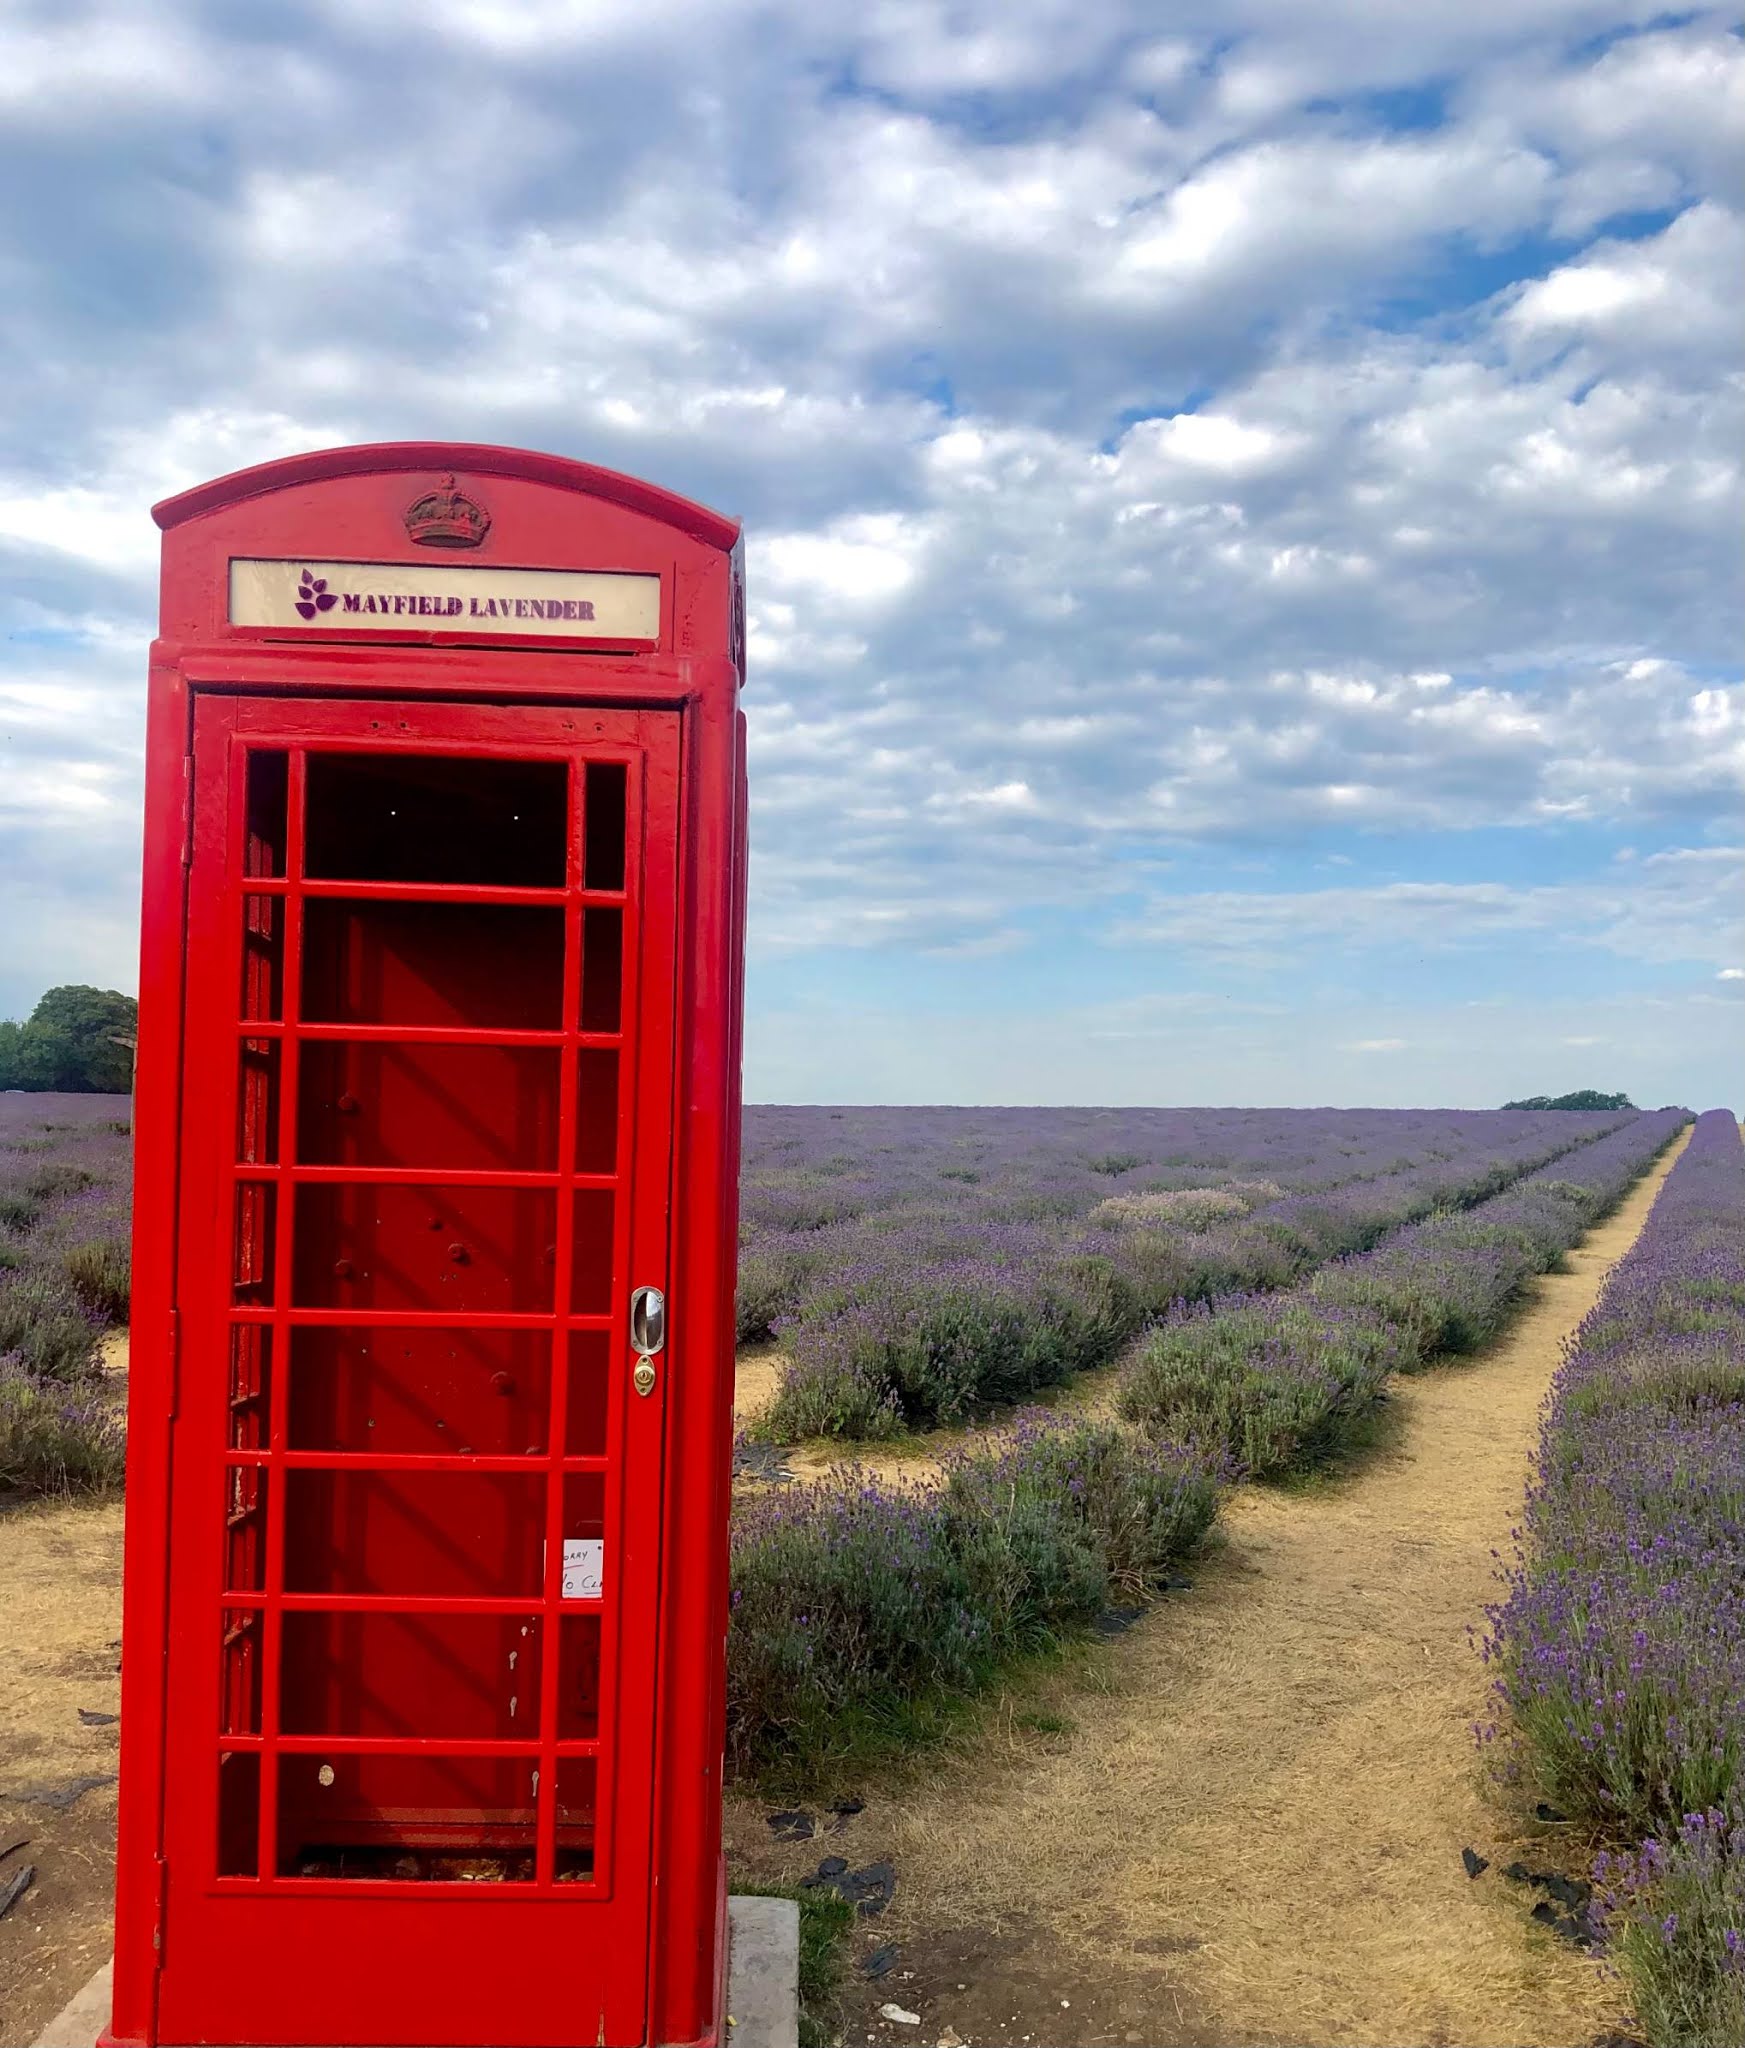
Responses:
[432,1342]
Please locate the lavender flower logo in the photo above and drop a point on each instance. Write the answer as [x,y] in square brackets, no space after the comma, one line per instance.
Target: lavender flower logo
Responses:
[314,596]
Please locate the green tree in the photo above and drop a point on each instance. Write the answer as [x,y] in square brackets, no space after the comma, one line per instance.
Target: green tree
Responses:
[1582,1098]
[78,1040]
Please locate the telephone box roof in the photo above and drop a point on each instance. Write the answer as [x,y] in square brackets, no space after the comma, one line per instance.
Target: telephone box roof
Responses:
[683,514]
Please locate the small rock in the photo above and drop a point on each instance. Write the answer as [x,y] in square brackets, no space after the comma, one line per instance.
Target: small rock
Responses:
[60,1797]
[761,1461]
[1518,1873]
[1475,1863]
[1176,1583]
[93,1719]
[880,1962]
[870,1889]
[897,2014]
[1544,1812]
[951,2038]
[793,1825]
[1116,1621]
[15,1888]
[1545,1913]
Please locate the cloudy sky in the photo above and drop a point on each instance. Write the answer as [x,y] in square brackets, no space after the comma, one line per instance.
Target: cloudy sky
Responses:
[1242,497]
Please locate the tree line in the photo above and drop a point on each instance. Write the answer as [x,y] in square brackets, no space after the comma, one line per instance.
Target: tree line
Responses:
[77,1041]
[1582,1098]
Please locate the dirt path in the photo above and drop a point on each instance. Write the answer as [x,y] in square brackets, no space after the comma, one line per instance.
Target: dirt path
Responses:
[60,1628]
[60,1648]
[1252,1832]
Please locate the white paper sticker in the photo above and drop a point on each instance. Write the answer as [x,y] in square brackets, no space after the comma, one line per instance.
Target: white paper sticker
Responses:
[584,1567]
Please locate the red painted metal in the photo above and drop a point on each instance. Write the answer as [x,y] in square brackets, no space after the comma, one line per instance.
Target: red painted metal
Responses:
[439,1059]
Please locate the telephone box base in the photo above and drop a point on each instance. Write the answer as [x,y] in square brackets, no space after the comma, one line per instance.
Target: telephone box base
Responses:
[763,1986]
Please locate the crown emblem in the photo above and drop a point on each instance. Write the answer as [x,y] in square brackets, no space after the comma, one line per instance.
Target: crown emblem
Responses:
[447,518]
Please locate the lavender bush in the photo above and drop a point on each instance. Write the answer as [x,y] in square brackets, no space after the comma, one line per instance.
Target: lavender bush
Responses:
[1671,1916]
[920,1263]
[862,1614]
[1280,1382]
[1274,1383]
[1620,1647]
[56,1438]
[64,1171]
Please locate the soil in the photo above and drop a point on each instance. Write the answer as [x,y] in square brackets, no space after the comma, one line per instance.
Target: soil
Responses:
[1242,1821]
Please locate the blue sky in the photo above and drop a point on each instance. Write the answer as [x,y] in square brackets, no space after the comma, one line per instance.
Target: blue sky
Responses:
[1242,498]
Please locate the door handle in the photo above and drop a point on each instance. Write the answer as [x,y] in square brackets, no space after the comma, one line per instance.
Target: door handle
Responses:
[647,1335]
[648,1321]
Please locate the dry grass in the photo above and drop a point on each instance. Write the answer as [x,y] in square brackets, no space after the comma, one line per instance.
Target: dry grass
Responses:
[1265,1808]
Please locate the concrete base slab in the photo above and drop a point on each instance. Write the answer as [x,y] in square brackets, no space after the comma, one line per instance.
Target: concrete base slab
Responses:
[763,1973]
[78,2024]
[763,1984]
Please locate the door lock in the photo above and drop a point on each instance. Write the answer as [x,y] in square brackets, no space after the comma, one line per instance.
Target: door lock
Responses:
[642,1379]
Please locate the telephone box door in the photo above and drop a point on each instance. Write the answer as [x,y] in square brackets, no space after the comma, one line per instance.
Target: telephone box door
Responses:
[416,1483]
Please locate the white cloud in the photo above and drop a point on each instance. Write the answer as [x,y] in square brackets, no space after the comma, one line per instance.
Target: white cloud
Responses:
[1685,904]
[1151,449]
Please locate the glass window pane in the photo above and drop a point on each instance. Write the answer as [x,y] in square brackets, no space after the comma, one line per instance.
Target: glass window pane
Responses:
[491,966]
[407,1819]
[602,969]
[267,794]
[435,818]
[431,1677]
[450,1534]
[463,1250]
[603,825]
[453,1106]
[420,1392]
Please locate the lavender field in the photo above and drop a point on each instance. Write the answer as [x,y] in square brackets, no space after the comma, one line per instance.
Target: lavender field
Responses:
[918,1264]
[1620,1649]
[1280,1382]
[65,1181]
[840,1587]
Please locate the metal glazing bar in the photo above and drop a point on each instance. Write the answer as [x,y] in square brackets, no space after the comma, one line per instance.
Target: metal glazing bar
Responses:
[278,1398]
[424,1603]
[426,1034]
[435,892]
[414,1319]
[545,1815]
[413,1461]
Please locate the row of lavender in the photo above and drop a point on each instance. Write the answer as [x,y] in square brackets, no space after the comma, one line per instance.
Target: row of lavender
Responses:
[1620,1649]
[918,1263]
[65,1171]
[1279,1382]
[863,1615]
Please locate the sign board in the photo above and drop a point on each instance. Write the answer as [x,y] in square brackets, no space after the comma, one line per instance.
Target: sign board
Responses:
[391,597]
